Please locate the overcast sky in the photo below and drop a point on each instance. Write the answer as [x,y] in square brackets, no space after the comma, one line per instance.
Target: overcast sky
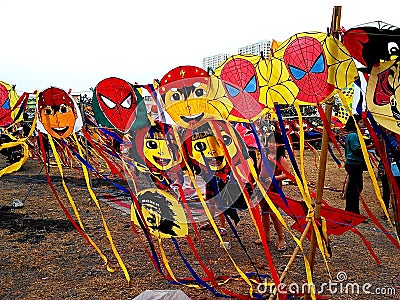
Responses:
[75,44]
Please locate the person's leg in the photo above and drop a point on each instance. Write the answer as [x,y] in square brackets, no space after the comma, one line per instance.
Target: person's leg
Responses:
[265,220]
[222,224]
[385,190]
[353,188]
[279,230]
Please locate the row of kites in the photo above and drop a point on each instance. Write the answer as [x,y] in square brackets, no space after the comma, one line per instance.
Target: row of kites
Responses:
[213,119]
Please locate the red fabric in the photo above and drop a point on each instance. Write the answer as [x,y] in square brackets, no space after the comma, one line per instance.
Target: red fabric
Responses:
[338,220]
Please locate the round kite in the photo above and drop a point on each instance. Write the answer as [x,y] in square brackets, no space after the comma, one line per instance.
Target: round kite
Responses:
[189,96]
[309,67]
[58,113]
[119,105]
[240,77]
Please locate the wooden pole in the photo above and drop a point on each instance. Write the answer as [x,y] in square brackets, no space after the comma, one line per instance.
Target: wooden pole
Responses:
[335,25]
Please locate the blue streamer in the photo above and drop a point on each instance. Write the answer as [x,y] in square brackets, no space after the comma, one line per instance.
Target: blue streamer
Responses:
[286,141]
[336,160]
[191,270]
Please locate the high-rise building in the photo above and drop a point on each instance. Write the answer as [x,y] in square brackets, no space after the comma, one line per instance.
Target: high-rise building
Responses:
[212,62]
[261,48]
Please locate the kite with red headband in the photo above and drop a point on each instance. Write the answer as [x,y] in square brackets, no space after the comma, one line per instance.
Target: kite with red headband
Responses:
[188,95]
[58,113]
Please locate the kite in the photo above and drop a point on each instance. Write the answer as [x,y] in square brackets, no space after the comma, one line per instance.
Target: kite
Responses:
[371,43]
[383,94]
[309,67]
[161,212]
[240,77]
[190,96]
[155,150]
[119,105]
[58,113]
[8,100]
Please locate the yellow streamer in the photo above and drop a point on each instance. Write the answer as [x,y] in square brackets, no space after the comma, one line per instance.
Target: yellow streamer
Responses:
[74,206]
[93,196]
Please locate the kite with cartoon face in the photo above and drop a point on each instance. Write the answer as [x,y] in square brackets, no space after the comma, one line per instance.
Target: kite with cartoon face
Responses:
[208,150]
[240,80]
[383,93]
[371,43]
[117,104]
[58,113]
[162,213]
[157,149]
[188,96]
[309,67]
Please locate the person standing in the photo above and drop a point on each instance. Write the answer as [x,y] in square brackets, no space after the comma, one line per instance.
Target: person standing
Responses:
[278,164]
[355,164]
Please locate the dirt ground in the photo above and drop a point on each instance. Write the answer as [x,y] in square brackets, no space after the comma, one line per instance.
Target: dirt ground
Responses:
[42,256]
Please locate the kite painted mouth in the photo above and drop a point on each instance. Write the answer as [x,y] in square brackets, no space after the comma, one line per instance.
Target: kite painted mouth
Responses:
[192,119]
[60,130]
[161,161]
[215,161]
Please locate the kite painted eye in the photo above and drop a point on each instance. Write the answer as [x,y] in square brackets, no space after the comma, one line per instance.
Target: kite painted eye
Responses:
[48,110]
[6,104]
[251,86]
[319,65]
[127,103]
[176,97]
[200,146]
[232,91]
[63,109]
[297,73]
[199,93]
[393,48]
[108,102]
[227,139]
[151,145]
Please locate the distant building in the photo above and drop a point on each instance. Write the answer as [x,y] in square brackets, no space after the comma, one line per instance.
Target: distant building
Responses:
[212,62]
[261,48]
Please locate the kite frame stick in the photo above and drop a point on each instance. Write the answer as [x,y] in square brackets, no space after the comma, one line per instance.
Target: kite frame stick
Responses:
[292,258]
[335,25]
[30,189]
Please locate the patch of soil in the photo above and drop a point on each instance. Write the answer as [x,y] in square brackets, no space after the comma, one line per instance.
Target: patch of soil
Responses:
[42,256]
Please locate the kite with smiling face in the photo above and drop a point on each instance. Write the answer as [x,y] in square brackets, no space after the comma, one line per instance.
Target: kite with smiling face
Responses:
[157,149]
[189,94]
[58,113]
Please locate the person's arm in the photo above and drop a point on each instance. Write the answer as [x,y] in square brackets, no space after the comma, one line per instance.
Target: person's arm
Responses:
[284,164]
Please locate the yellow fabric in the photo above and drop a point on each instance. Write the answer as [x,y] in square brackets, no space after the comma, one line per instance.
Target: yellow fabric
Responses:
[211,218]
[93,196]
[372,173]
[17,165]
[92,243]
